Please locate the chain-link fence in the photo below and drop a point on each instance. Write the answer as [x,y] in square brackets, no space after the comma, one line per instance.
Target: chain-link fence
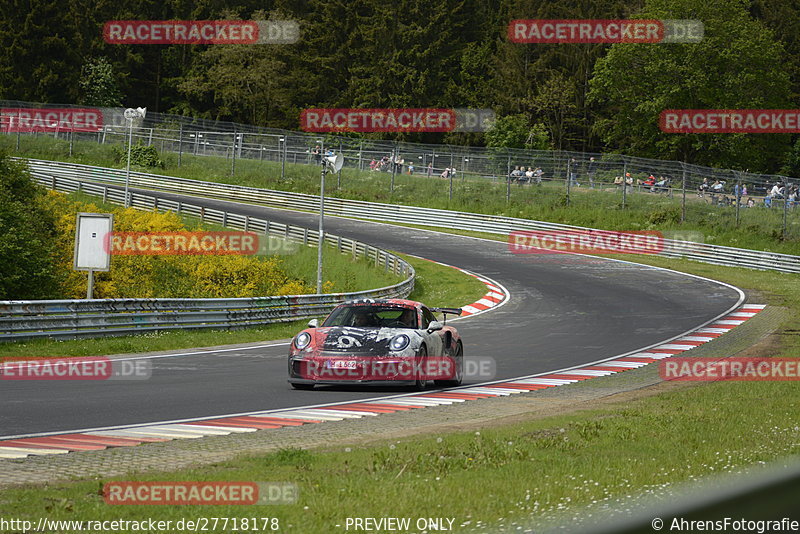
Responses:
[474,176]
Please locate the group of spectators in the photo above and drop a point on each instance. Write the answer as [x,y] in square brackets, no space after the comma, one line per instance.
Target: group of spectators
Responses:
[317,154]
[385,164]
[777,191]
[522,176]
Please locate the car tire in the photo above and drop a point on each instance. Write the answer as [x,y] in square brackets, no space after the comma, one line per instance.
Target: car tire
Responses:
[419,362]
[459,359]
[305,387]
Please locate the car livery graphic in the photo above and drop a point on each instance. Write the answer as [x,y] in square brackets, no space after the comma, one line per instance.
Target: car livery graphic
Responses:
[378,341]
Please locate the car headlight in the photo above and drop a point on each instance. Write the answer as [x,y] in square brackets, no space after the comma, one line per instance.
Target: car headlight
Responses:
[399,342]
[302,340]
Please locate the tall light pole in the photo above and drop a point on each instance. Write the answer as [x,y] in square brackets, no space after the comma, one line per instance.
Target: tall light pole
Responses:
[131,114]
[334,164]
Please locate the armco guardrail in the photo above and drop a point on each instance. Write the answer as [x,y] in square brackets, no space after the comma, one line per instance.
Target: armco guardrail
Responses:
[714,254]
[68,319]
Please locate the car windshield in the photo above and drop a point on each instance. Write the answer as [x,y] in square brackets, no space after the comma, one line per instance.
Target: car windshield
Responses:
[373,317]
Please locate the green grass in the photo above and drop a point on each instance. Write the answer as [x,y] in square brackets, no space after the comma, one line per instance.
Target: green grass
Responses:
[536,471]
[758,228]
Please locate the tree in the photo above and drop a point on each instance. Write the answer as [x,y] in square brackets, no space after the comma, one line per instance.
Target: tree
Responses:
[737,65]
[27,237]
[552,80]
[514,131]
[99,85]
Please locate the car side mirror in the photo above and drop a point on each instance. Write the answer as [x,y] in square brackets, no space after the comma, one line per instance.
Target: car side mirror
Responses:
[313,323]
[434,326]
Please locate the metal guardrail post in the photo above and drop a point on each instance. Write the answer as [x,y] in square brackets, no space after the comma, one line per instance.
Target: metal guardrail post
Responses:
[393,163]
[508,180]
[683,199]
[737,194]
[785,204]
[180,146]
[624,181]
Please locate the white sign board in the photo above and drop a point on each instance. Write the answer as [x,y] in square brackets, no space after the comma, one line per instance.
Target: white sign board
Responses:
[93,241]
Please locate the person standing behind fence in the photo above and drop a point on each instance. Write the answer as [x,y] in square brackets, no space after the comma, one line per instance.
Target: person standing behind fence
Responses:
[591,171]
[573,173]
[430,169]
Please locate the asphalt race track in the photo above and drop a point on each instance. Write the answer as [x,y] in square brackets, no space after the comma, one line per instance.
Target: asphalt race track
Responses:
[565,310]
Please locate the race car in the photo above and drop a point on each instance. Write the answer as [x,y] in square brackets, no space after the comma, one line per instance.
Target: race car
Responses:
[378,341]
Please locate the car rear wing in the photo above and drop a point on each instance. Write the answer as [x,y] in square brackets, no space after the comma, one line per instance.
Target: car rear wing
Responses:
[446,311]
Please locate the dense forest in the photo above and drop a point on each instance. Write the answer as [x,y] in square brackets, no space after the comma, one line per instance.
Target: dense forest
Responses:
[445,53]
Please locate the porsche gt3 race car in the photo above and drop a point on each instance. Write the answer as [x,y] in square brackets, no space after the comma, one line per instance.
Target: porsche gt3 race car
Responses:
[378,341]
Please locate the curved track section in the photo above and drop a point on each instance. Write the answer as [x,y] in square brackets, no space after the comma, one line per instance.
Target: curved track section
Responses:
[565,311]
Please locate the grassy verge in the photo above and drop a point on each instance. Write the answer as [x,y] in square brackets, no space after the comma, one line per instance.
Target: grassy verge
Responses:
[759,228]
[530,473]
[436,285]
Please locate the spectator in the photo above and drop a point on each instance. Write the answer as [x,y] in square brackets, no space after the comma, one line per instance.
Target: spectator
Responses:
[516,174]
[373,165]
[750,202]
[662,185]
[776,191]
[317,153]
[529,175]
[430,169]
[410,169]
[718,187]
[618,181]
[591,171]
[701,191]
[744,190]
[537,174]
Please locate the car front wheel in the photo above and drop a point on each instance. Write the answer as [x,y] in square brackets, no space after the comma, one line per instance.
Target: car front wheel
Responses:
[419,366]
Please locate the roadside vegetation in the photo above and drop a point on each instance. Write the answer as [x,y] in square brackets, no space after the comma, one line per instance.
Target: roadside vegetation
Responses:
[759,228]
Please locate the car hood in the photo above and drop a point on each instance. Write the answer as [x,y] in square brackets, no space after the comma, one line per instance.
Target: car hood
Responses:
[359,340]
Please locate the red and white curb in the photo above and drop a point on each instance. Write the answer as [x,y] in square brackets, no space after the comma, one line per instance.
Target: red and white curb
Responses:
[129,436]
[496,295]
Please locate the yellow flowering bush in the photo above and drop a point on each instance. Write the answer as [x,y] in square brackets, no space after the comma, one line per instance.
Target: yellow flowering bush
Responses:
[165,276]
